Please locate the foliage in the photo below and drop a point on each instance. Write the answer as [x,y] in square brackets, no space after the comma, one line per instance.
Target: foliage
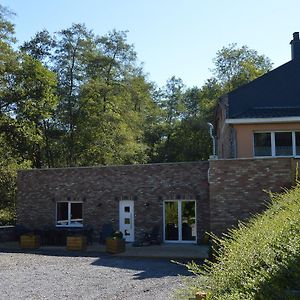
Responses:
[77,99]
[7,216]
[184,134]
[236,66]
[9,164]
[7,28]
[117,235]
[257,260]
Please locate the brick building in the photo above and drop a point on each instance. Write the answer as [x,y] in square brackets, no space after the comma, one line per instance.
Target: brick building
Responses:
[258,125]
[184,200]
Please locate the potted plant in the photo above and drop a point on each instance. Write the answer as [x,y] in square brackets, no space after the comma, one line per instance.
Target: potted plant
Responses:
[116,243]
[76,243]
[30,241]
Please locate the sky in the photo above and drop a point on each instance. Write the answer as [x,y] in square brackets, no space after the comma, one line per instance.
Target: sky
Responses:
[171,37]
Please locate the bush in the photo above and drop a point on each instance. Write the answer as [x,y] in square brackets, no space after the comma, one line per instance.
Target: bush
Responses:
[118,235]
[258,260]
[7,216]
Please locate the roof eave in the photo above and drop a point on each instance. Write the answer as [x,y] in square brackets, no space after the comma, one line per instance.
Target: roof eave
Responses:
[263,120]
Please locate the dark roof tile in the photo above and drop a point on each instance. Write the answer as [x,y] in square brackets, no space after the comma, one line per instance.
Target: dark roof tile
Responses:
[275,94]
[269,112]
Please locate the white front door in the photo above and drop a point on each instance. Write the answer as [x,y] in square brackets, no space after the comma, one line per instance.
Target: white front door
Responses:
[126,209]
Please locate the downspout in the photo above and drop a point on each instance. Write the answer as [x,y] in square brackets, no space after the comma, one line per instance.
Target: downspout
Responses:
[211,129]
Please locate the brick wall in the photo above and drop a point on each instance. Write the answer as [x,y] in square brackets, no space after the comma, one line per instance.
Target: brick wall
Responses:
[235,191]
[237,188]
[101,188]
[7,234]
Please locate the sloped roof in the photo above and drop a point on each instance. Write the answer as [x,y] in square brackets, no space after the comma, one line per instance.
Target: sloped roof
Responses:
[275,94]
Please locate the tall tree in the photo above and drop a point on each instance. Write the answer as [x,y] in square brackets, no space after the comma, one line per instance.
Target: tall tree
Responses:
[41,47]
[236,66]
[72,46]
[114,103]
[7,28]
[35,90]
[171,103]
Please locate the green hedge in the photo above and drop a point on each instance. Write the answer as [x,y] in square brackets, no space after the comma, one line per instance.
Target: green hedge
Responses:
[258,260]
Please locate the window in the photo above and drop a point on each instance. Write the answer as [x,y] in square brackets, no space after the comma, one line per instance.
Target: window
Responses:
[297,141]
[283,144]
[262,144]
[69,214]
[277,143]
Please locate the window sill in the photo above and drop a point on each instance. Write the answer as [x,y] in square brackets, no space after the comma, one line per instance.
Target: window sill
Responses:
[280,156]
[69,226]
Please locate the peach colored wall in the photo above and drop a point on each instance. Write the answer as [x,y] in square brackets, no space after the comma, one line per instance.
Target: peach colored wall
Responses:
[244,135]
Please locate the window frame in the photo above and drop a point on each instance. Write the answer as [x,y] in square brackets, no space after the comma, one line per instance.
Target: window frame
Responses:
[69,214]
[253,144]
[273,143]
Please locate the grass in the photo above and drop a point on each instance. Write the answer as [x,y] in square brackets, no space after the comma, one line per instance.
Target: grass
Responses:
[257,260]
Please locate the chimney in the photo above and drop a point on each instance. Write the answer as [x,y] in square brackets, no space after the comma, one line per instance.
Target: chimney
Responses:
[295,46]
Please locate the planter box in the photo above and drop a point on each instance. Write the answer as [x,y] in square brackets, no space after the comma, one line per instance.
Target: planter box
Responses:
[115,245]
[28,241]
[76,243]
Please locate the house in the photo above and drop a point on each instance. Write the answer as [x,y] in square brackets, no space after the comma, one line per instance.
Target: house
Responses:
[258,135]
[262,118]
[133,199]
[184,200]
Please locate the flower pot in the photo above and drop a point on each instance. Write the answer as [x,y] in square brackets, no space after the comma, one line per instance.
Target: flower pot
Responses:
[30,241]
[115,245]
[76,243]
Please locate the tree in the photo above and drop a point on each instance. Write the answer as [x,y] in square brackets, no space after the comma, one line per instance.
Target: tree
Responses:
[114,104]
[190,139]
[34,90]
[10,161]
[72,46]
[236,66]
[170,99]
[41,47]
[7,28]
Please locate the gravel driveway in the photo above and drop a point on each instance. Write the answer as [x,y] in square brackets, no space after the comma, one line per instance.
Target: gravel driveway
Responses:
[37,276]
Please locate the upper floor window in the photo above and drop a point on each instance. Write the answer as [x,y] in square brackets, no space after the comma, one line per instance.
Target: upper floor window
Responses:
[262,144]
[69,214]
[297,142]
[277,143]
[283,144]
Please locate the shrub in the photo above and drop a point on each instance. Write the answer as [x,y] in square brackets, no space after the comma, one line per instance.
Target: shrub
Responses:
[257,260]
[118,235]
[7,216]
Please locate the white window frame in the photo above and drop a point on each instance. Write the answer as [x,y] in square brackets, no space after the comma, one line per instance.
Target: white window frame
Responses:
[273,146]
[69,214]
[179,214]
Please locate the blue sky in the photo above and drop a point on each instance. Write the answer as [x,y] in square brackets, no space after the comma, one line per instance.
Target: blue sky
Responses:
[172,37]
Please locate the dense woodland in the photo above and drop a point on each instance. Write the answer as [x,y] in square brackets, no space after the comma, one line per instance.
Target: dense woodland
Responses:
[74,98]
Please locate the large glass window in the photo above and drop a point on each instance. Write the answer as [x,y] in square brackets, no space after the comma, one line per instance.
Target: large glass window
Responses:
[188,220]
[171,220]
[262,144]
[62,217]
[69,214]
[297,141]
[283,144]
[277,143]
[180,221]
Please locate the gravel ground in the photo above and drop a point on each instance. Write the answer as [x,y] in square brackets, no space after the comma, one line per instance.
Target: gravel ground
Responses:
[37,276]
